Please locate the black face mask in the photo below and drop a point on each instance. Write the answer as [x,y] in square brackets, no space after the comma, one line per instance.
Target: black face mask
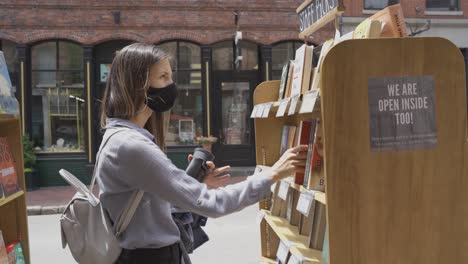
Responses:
[161,99]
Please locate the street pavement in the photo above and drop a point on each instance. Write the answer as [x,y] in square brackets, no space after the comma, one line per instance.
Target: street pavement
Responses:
[234,239]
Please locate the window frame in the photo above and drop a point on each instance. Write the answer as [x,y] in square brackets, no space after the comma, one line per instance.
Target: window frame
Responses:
[389,2]
[444,9]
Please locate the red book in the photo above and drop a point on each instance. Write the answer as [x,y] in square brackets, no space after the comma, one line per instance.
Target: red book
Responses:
[8,176]
[302,139]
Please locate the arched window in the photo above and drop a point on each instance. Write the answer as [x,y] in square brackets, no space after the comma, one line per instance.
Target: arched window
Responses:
[223,56]
[186,120]
[58,97]
[11,58]
[281,54]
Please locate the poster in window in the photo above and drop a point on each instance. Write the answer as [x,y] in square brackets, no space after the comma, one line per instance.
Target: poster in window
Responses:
[186,130]
[8,102]
[105,69]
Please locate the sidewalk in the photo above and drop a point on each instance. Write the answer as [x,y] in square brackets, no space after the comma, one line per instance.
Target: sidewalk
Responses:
[53,200]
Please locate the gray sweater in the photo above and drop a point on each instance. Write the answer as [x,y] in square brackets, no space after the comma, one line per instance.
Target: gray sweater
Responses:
[131,160]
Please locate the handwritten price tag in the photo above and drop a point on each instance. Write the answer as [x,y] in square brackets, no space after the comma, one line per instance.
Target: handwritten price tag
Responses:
[283,190]
[292,107]
[283,251]
[282,107]
[308,103]
[260,109]
[254,112]
[266,110]
[295,260]
[305,202]
[260,216]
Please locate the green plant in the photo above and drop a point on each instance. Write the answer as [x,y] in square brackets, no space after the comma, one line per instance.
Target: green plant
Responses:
[28,154]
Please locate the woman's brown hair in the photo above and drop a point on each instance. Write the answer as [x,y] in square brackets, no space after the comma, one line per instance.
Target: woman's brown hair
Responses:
[127,84]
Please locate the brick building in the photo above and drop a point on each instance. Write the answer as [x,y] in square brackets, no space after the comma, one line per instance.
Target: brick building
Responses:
[59,52]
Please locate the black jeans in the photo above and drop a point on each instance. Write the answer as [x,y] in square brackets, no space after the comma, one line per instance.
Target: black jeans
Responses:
[166,255]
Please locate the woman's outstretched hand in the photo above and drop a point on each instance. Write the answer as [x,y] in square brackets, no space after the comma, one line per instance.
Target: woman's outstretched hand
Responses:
[212,178]
[292,161]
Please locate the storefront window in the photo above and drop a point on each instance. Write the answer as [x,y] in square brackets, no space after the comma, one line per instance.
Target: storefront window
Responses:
[9,51]
[223,56]
[280,55]
[442,5]
[379,4]
[186,121]
[58,97]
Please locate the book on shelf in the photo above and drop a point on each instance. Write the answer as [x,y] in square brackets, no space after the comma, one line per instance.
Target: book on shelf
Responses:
[326,47]
[287,93]
[3,251]
[316,173]
[295,215]
[369,28]
[2,193]
[319,223]
[275,201]
[284,81]
[302,70]
[305,223]
[302,138]
[325,249]
[392,20]
[8,175]
[8,102]
[15,253]
[310,144]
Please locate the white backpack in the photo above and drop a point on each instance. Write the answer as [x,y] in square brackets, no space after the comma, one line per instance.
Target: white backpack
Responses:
[86,226]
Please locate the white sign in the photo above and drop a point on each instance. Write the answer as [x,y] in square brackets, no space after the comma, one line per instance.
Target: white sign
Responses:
[260,109]
[308,102]
[254,112]
[266,110]
[292,107]
[283,251]
[305,202]
[283,190]
[260,216]
[282,107]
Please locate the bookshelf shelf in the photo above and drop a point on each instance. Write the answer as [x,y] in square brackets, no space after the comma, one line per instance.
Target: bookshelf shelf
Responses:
[379,202]
[286,232]
[11,198]
[267,260]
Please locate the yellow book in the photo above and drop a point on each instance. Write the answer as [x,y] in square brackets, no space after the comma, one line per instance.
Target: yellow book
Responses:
[368,28]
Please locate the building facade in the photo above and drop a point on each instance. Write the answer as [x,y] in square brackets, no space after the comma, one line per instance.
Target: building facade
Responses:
[59,54]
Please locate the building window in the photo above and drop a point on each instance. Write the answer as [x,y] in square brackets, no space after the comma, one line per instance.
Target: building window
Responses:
[58,97]
[442,5]
[379,4]
[281,54]
[11,58]
[186,120]
[223,56]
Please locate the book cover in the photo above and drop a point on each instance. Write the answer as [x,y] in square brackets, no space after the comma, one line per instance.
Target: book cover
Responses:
[8,102]
[291,136]
[295,215]
[310,144]
[299,63]
[284,140]
[368,29]
[393,22]
[3,252]
[276,201]
[15,253]
[326,47]
[284,81]
[290,78]
[317,234]
[2,193]
[8,176]
[308,69]
[316,175]
[302,139]
[305,226]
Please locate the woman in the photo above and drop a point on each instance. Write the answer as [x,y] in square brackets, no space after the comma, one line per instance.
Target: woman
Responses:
[140,84]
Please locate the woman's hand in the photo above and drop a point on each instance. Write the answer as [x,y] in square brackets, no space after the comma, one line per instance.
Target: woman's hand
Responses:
[212,178]
[292,161]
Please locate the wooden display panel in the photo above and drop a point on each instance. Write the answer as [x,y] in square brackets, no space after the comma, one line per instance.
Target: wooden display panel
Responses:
[406,207]
[13,220]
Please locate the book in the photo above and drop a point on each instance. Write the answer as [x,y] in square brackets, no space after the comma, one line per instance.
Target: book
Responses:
[289,81]
[392,20]
[3,252]
[15,253]
[2,193]
[276,201]
[316,173]
[305,224]
[310,144]
[303,136]
[295,215]
[8,176]
[368,28]
[317,234]
[284,140]
[326,47]
[302,70]
[284,81]
[8,102]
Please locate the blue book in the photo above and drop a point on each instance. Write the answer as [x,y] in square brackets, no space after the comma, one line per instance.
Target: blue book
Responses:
[8,102]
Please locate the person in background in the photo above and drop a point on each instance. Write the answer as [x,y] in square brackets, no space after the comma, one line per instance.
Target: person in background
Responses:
[139,85]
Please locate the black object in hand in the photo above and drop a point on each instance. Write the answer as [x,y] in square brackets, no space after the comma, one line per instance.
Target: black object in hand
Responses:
[197,167]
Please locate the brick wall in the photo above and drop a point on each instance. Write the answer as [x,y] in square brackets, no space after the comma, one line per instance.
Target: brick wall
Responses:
[203,21]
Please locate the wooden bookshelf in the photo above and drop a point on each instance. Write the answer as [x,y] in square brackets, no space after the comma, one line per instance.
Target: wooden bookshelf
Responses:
[13,215]
[383,206]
